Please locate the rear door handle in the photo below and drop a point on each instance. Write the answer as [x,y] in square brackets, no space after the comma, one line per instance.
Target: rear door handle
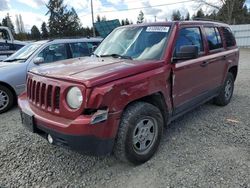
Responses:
[204,64]
[224,57]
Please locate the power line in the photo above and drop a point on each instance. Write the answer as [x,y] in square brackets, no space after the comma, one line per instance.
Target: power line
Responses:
[144,7]
[127,2]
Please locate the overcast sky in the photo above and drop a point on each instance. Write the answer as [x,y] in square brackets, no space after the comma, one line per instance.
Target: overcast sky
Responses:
[33,11]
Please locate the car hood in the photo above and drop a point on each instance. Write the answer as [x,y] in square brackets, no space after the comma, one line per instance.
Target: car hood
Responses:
[10,65]
[93,71]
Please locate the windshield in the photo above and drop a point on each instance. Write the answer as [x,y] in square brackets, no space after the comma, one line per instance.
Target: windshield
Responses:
[24,53]
[138,43]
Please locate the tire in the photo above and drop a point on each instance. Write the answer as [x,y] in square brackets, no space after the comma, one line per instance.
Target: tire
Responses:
[6,99]
[226,92]
[139,133]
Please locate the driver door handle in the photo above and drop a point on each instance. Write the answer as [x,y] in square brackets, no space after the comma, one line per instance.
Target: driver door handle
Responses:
[204,64]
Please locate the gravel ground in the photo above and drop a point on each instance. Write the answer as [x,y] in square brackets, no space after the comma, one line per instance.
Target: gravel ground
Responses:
[208,147]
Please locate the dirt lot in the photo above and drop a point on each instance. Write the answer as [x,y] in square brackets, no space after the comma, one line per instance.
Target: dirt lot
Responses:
[208,147]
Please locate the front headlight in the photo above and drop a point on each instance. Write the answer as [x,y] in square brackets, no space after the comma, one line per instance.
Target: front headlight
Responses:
[74,98]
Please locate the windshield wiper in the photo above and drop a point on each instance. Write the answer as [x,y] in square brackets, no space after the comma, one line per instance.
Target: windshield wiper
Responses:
[16,59]
[117,56]
[95,55]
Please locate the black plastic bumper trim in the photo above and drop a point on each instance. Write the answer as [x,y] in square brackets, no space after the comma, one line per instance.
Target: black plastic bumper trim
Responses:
[86,144]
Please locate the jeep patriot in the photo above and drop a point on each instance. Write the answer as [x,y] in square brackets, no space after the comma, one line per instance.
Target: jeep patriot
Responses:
[139,79]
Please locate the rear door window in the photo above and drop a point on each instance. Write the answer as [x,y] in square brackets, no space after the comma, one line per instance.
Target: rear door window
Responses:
[79,49]
[189,36]
[229,37]
[213,38]
[54,52]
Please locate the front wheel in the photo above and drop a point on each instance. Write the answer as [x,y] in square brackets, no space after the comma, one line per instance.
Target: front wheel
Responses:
[226,92]
[139,133]
[6,99]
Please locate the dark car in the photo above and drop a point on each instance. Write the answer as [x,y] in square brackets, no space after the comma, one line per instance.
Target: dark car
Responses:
[141,78]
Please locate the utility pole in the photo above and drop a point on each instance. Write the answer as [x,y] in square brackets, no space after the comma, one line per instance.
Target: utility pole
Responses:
[92,12]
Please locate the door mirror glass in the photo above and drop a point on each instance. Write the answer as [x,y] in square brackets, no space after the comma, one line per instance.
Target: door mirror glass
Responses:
[187,52]
[38,60]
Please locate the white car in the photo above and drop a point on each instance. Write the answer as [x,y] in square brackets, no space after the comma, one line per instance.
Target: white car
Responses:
[8,45]
[13,70]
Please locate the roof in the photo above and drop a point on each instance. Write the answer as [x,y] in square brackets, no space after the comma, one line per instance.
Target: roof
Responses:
[92,39]
[69,40]
[169,23]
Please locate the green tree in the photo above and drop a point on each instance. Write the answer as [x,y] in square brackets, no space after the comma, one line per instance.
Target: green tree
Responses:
[187,16]
[8,23]
[127,21]
[72,23]
[98,18]
[176,15]
[45,33]
[57,13]
[123,22]
[62,21]
[200,14]
[35,33]
[229,11]
[140,18]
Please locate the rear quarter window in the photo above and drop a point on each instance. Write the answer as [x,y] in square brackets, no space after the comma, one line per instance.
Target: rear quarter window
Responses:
[213,38]
[229,37]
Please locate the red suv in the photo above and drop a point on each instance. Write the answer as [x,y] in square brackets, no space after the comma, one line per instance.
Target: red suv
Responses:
[140,78]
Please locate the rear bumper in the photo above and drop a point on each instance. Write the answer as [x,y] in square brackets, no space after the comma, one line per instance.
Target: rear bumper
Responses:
[77,134]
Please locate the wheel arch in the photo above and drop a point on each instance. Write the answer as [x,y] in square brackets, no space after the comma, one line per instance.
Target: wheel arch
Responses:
[234,71]
[10,88]
[156,99]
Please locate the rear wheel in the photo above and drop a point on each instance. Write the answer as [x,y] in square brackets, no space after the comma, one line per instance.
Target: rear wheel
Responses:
[6,99]
[226,93]
[139,133]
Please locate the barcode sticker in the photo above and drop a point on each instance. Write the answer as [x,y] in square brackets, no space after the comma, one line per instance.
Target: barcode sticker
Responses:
[162,29]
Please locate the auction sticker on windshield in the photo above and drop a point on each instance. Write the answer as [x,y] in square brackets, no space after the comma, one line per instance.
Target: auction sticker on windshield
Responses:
[162,29]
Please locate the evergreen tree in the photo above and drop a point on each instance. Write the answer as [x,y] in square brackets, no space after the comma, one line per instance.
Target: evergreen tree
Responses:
[140,18]
[57,15]
[176,15]
[8,23]
[229,11]
[72,23]
[98,18]
[35,33]
[45,33]
[200,14]
[127,21]
[122,22]
[187,16]
[62,22]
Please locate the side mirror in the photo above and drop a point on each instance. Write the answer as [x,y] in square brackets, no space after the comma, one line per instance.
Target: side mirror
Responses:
[187,52]
[38,60]
[93,48]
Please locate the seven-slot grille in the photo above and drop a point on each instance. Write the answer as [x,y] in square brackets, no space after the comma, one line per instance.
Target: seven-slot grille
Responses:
[44,95]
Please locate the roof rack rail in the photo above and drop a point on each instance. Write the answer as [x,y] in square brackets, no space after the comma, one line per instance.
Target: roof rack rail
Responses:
[73,37]
[207,19]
